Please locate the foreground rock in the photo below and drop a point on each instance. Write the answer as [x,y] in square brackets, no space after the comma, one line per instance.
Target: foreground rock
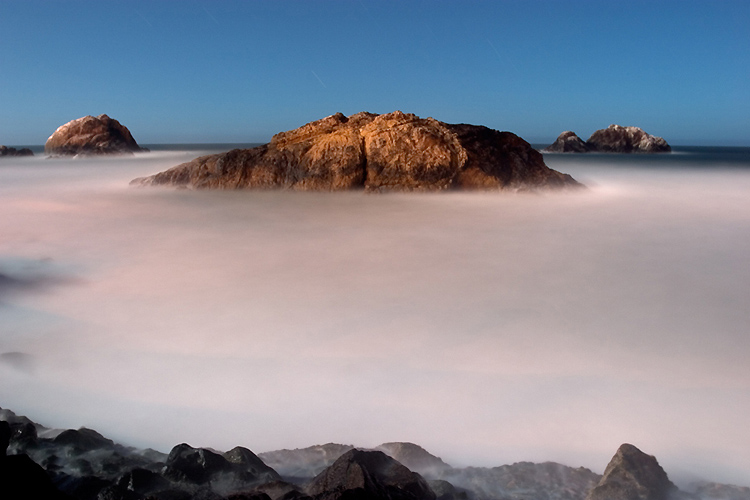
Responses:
[369,475]
[100,135]
[390,152]
[633,475]
[613,139]
[6,151]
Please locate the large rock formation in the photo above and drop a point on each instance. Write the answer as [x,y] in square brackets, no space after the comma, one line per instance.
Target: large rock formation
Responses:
[415,458]
[6,151]
[633,475]
[394,151]
[369,475]
[613,139]
[91,136]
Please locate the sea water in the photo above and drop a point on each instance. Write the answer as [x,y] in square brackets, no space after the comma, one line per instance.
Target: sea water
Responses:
[487,327]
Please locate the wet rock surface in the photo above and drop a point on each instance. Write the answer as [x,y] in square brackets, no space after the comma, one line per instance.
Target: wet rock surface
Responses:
[389,152]
[91,135]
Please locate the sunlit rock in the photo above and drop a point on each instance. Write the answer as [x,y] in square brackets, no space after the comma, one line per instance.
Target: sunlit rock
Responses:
[91,135]
[390,152]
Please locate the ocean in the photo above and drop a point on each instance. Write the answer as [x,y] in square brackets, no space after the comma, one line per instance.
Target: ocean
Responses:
[489,328]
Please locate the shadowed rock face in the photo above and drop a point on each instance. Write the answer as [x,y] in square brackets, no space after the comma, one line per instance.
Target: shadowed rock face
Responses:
[369,474]
[415,458]
[633,475]
[391,152]
[91,136]
[567,142]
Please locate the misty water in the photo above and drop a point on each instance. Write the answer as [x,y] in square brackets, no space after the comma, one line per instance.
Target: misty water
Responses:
[488,328]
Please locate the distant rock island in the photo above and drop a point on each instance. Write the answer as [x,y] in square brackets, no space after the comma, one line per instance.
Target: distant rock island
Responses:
[45,463]
[91,135]
[6,151]
[388,152]
[613,139]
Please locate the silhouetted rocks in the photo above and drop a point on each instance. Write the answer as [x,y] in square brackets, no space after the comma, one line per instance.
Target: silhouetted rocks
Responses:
[567,142]
[390,152]
[6,151]
[369,475]
[84,465]
[90,135]
[633,475]
[613,139]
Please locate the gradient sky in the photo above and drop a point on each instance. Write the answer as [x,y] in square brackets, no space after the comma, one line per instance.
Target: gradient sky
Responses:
[240,71]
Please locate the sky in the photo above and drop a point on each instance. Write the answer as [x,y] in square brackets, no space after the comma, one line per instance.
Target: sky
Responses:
[240,71]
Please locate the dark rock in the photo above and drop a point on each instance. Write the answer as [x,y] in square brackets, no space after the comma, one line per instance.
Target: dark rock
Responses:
[281,490]
[617,139]
[81,487]
[415,458]
[194,465]
[142,481]
[83,440]
[567,142]
[91,136]
[390,152]
[633,475]
[249,496]
[6,151]
[246,461]
[369,475]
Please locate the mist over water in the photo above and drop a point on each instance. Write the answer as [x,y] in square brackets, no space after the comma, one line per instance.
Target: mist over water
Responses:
[488,328]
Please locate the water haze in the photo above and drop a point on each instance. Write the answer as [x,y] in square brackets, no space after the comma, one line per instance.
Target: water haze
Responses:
[488,328]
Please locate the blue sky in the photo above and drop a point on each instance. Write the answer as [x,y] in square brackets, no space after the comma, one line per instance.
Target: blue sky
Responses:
[240,71]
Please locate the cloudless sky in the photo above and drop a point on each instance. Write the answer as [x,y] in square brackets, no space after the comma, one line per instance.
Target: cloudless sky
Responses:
[240,71]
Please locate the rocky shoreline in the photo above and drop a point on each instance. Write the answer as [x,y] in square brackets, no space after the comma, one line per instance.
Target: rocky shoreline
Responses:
[82,464]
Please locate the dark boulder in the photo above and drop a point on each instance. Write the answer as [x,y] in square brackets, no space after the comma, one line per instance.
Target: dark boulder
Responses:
[369,475]
[83,440]
[194,465]
[633,475]
[91,135]
[390,152]
[254,469]
[567,142]
[6,151]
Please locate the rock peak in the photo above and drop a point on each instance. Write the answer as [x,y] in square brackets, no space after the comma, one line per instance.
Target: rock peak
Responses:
[633,475]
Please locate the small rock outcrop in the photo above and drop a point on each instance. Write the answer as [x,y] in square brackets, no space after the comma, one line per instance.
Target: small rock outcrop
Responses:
[567,142]
[390,152]
[302,464]
[613,139]
[91,135]
[369,475]
[6,151]
[617,139]
[633,475]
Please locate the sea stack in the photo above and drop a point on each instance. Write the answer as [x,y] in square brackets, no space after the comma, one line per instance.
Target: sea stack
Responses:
[633,475]
[390,152]
[91,135]
[613,139]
